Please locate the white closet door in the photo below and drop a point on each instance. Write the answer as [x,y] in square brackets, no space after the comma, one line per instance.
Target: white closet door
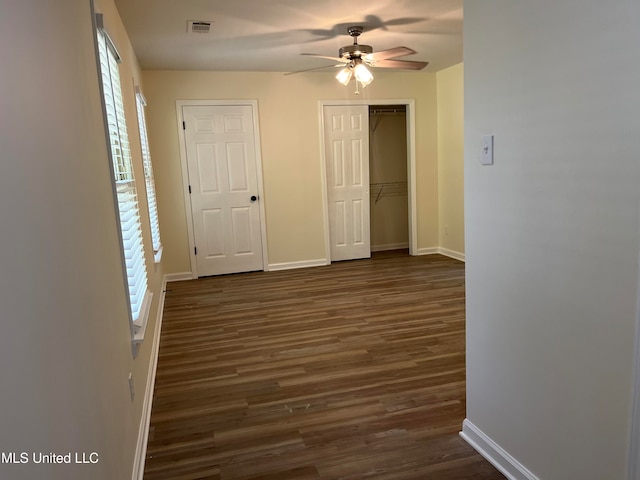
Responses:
[347,156]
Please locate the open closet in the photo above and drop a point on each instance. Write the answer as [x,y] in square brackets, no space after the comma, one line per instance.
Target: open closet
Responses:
[389,211]
[369,166]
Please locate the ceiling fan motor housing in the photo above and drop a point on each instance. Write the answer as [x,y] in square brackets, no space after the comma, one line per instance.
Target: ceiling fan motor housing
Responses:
[354,51]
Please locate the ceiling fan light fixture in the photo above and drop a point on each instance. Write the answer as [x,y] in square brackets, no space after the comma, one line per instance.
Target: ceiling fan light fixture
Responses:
[363,75]
[344,75]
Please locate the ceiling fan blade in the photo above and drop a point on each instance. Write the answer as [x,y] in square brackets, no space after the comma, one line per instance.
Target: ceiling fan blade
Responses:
[335,59]
[405,64]
[317,68]
[404,21]
[390,53]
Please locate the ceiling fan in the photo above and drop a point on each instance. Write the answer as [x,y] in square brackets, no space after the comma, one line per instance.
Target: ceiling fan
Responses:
[356,58]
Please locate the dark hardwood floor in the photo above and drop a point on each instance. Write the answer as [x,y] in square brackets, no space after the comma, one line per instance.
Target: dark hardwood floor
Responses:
[350,371]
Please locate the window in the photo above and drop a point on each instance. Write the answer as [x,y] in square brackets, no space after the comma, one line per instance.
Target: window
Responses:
[148,176]
[124,184]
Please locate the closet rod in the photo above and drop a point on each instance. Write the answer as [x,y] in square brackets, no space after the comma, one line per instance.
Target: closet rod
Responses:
[390,109]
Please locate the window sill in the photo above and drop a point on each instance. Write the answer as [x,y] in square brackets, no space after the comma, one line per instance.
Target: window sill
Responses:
[157,256]
[140,325]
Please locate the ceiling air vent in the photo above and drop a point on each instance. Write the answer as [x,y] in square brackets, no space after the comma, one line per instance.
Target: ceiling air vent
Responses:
[194,26]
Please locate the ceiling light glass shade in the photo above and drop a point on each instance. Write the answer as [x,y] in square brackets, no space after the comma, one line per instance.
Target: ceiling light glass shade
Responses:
[363,75]
[344,75]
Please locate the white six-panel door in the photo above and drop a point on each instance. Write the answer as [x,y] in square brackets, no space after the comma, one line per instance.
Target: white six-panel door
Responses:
[347,164]
[221,160]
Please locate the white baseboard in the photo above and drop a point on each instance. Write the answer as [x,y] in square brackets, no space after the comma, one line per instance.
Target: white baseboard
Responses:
[494,453]
[451,253]
[389,246]
[302,264]
[441,251]
[427,251]
[178,277]
[143,431]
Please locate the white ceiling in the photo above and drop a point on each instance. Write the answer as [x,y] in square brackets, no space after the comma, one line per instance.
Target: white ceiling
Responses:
[270,35]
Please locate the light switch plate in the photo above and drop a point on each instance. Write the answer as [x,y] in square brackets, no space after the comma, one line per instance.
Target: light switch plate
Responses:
[486,158]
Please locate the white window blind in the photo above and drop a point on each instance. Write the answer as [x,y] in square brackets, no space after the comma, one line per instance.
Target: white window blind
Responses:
[125,187]
[148,173]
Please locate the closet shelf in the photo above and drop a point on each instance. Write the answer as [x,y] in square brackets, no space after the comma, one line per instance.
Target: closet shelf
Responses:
[388,189]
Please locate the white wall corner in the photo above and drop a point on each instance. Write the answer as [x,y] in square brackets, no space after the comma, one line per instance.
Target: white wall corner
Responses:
[442,251]
[143,430]
[494,453]
[302,264]
[451,253]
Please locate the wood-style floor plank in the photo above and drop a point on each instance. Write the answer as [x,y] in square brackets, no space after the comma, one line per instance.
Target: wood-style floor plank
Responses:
[350,371]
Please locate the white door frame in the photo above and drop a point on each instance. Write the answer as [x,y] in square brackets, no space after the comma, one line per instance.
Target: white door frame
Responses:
[185,172]
[411,166]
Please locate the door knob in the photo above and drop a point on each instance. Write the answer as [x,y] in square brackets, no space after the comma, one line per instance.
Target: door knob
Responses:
[254,198]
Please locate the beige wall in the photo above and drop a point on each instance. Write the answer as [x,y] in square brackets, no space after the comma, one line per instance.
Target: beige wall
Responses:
[289,130]
[65,344]
[451,158]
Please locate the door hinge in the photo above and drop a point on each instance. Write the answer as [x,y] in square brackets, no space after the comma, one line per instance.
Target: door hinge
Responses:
[189,188]
[195,250]
[184,126]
